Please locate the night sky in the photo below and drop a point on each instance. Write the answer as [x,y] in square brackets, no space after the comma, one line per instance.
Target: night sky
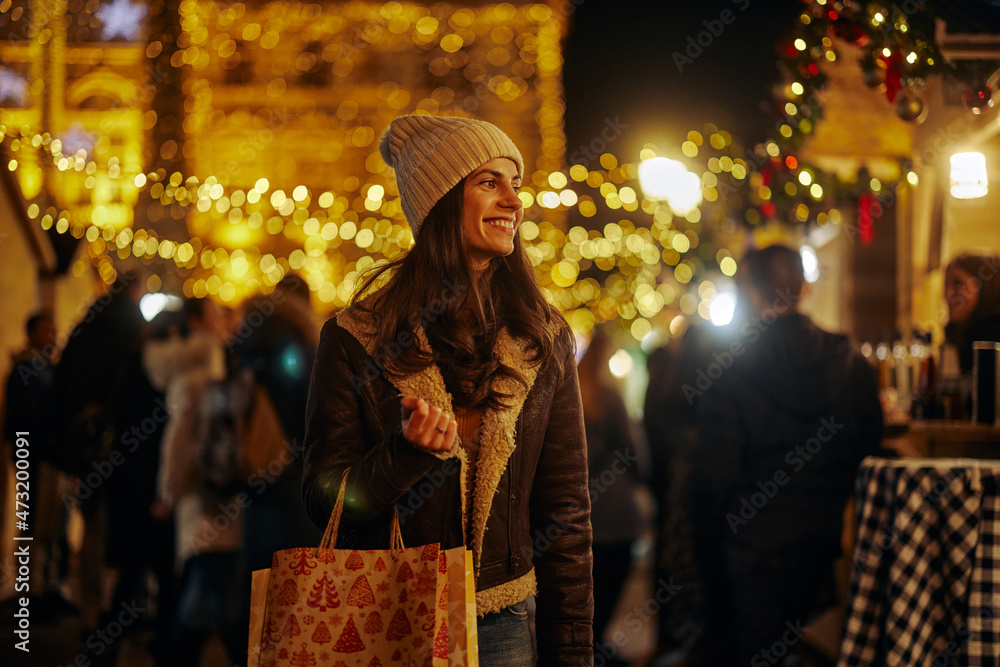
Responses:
[621,69]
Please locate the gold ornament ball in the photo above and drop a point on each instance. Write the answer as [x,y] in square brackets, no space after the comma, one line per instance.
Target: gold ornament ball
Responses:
[910,108]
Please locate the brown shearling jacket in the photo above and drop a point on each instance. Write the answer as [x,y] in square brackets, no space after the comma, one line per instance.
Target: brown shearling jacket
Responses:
[530,519]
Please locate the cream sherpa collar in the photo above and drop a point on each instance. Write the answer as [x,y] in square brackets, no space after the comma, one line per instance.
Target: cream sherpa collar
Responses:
[498,438]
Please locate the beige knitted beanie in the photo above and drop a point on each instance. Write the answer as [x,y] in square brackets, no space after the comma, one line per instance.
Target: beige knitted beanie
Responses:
[432,154]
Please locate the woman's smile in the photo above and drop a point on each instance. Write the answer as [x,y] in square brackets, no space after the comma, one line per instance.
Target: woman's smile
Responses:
[491,210]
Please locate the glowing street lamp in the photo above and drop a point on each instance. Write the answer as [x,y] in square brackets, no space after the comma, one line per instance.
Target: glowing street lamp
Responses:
[666,179]
[722,309]
[655,175]
[620,364]
[810,263]
[968,176]
[150,305]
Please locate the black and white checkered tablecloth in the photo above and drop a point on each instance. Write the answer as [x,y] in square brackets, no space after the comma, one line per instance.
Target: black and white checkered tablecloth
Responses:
[925,581]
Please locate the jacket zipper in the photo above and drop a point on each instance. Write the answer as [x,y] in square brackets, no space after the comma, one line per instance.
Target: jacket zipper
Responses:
[511,497]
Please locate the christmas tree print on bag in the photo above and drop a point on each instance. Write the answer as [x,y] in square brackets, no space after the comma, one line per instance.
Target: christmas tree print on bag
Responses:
[397,607]
[361,613]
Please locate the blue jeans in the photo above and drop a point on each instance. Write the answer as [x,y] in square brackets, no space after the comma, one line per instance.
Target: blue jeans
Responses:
[505,638]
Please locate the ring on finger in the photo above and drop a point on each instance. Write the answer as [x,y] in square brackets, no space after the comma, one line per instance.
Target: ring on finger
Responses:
[442,430]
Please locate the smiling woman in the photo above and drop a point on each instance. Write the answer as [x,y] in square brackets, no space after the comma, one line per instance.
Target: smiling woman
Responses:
[451,355]
[972,293]
[492,211]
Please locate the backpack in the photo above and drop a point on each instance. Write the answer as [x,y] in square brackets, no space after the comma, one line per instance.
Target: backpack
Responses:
[222,429]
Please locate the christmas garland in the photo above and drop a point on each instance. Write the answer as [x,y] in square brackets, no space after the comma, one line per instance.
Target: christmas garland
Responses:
[899,54]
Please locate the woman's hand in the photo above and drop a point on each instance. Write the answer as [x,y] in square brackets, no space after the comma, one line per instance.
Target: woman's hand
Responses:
[427,426]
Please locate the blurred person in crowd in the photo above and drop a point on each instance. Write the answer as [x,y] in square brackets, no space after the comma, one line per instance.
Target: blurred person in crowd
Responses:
[209,539]
[137,541]
[781,432]
[669,417]
[88,378]
[617,463]
[972,292]
[29,409]
[277,338]
[451,359]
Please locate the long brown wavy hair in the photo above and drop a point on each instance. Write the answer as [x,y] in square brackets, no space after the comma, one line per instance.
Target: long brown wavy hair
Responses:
[462,313]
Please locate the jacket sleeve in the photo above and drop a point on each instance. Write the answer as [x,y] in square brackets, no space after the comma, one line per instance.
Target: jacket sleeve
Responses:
[560,524]
[382,471]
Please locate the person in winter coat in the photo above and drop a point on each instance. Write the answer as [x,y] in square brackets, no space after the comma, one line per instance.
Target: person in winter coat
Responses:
[277,339]
[451,393]
[618,463]
[209,536]
[28,410]
[781,433]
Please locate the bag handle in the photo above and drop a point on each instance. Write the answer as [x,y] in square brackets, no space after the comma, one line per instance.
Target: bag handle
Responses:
[333,525]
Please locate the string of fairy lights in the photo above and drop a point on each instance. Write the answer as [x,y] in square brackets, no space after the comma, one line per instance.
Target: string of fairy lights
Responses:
[632,256]
[626,256]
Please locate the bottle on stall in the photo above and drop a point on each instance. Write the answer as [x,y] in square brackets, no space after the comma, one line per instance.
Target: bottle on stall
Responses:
[950,384]
[886,385]
[902,374]
[926,404]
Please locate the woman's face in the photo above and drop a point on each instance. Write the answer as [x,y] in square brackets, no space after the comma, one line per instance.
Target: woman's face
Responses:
[961,291]
[492,211]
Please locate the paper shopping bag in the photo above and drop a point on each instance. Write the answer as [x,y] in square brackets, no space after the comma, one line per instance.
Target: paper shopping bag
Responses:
[258,601]
[364,608]
[463,645]
[351,607]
